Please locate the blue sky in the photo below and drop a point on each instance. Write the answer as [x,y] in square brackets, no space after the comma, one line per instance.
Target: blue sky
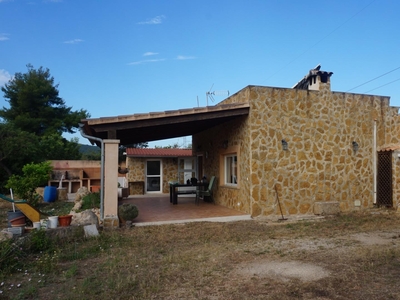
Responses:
[129,56]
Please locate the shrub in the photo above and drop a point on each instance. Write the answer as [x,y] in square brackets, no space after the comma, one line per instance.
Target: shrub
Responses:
[39,241]
[128,212]
[91,200]
[34,175]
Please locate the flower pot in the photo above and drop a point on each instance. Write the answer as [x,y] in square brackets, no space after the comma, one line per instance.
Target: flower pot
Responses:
[18,221]
[53,222]
[12,215]
[65,221]
[36,225]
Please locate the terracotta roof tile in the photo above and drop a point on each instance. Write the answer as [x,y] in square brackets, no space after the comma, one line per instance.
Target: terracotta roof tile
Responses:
[158,152]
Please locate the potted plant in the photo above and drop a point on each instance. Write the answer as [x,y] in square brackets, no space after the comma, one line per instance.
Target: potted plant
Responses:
[127,212]
[65,220]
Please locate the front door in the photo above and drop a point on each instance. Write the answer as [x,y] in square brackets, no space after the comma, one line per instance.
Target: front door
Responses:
[153,176]
[384,195]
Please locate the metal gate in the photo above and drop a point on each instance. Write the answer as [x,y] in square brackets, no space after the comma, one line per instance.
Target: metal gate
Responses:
[384,180]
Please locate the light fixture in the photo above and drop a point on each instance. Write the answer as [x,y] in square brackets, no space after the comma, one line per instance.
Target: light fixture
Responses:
[355,146]
[284,145]
[225,144]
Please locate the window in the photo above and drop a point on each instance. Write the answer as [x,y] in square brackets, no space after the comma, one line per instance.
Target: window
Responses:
[231,169]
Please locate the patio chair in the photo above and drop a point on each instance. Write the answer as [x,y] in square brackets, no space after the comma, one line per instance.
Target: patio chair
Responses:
[206,193]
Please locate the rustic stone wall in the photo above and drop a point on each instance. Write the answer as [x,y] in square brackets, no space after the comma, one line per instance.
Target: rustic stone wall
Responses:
[320,164]
[211,141]
[170,172]
[136,172]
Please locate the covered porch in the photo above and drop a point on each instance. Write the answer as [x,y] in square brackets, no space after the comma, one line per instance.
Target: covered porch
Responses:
[157,210]
[110,132]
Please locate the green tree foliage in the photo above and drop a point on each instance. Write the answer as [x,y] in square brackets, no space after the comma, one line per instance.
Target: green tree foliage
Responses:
[90,152]
[122,150]
[35,105]
[25,185]
[56,147]
[16,148]
[31,128]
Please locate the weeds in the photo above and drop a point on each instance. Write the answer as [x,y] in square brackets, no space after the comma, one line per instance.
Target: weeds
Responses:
[201,261]
[38,241]
[91,200]
[12,256]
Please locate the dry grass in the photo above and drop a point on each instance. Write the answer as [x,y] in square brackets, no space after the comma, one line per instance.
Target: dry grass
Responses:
[358,256]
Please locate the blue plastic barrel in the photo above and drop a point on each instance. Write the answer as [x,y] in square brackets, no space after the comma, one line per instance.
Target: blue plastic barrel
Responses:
[50,194]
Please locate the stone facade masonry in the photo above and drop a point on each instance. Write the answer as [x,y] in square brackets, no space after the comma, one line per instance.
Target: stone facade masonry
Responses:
[320,163]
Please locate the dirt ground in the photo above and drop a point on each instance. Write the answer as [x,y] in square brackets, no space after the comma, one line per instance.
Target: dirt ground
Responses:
[349,256]
[305,272]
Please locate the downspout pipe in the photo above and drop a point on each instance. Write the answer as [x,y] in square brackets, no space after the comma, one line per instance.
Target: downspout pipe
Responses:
[101,170]
[374,161]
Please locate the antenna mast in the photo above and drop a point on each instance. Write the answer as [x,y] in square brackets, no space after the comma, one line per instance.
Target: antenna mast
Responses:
[211,95]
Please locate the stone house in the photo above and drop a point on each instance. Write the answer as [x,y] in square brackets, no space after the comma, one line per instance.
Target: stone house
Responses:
[304,145]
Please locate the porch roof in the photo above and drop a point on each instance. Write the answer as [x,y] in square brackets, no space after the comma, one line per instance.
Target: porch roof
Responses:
[158,152]
[146,127]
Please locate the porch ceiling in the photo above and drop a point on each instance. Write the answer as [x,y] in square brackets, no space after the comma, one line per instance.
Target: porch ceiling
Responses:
[137,128]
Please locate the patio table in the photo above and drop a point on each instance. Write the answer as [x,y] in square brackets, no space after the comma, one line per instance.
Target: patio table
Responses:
[173,193]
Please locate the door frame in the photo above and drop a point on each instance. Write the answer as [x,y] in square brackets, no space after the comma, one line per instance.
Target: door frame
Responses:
[158,176]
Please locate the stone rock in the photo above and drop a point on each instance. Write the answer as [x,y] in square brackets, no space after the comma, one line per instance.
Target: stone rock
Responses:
[82,192]
[5,235]
[77,206]
[326,208]
[87,217]
[91,230]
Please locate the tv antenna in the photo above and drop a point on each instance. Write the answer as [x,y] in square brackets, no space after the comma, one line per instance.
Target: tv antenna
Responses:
[211,95]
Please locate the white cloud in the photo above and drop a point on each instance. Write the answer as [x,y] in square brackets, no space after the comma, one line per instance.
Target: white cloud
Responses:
[74,41]
[150,53]
[4,77]
[154,21]
[4,36]
[140,62]
[182,57]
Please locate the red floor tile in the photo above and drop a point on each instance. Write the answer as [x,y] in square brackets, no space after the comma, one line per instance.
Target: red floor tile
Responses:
[158,208]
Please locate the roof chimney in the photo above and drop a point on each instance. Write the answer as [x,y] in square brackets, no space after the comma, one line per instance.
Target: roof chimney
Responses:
[315,80]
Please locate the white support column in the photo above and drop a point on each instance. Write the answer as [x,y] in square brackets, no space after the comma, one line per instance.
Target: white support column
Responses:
[111,183]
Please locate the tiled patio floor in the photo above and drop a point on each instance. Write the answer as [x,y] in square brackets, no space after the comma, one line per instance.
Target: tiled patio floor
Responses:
[156,209]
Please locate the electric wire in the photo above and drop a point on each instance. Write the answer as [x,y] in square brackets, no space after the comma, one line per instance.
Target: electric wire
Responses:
[373,80]
[382,86]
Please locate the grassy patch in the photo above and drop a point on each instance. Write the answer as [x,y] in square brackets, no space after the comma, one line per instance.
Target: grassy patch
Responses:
[203,260]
